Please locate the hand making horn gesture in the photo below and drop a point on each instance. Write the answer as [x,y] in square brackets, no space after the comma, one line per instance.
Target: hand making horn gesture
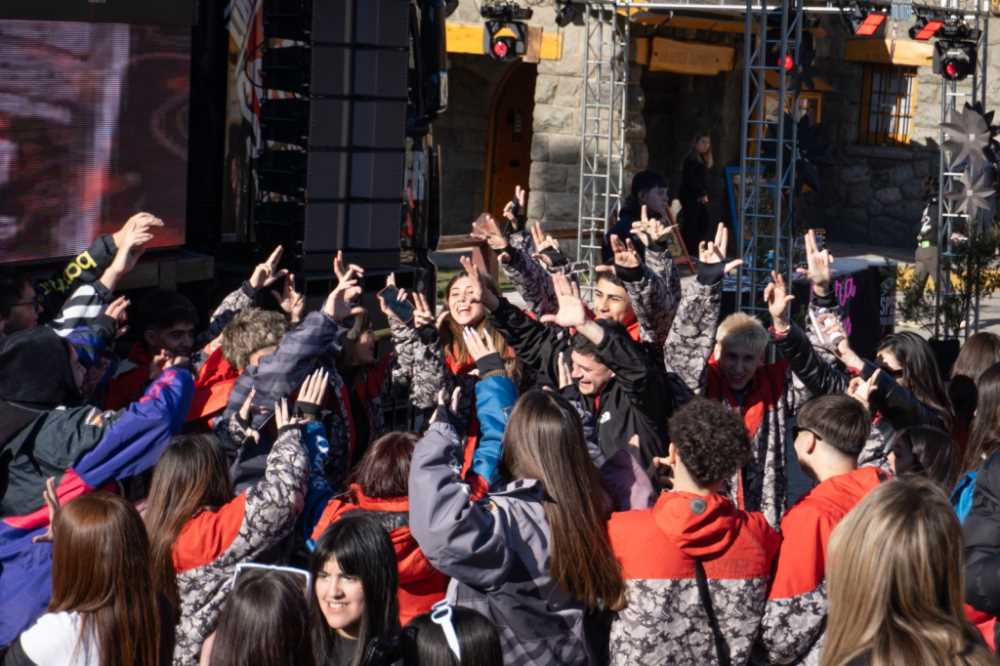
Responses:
[778,301]
[266,273]
[651,230]
[714,252]
[819,263]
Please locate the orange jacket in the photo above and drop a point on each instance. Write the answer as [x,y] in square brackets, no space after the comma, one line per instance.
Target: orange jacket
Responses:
[420,584]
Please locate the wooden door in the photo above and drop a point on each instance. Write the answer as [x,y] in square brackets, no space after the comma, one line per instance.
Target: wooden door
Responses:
[508,158]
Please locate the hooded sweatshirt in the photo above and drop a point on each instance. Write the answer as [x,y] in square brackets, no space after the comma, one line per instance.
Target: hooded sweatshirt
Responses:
[420,584]
[796,606]
[666,621]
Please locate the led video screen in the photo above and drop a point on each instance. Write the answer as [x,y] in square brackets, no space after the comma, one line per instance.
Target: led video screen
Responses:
[93,128]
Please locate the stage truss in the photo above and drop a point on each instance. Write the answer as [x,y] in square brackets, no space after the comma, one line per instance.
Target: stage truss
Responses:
[766,187]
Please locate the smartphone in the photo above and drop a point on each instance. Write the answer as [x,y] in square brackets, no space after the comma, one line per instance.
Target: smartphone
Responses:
[403,310]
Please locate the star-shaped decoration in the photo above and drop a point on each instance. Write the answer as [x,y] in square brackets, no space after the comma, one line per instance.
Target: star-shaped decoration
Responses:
[968,135]
[973,195]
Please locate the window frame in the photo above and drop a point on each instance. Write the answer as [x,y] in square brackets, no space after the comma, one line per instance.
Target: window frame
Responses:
[899,124]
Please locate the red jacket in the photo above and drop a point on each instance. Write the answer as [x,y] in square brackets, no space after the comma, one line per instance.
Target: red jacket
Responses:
[796,608]
[665,620]
[420,584]
[133,375]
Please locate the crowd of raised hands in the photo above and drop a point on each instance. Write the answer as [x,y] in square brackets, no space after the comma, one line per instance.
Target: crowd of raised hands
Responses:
[605,474]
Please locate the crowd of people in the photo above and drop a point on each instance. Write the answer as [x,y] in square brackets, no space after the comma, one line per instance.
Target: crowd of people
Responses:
[595,475]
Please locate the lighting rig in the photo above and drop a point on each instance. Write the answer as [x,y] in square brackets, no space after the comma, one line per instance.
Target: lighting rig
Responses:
[506,36]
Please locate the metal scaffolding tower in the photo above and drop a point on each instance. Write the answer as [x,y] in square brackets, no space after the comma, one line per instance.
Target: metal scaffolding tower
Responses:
[954,96]
[768,147]
[602,126]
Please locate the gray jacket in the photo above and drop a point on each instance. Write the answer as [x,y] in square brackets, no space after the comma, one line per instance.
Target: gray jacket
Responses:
[496,551]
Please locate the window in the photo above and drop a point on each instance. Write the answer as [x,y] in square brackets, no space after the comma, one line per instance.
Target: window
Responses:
[888,104]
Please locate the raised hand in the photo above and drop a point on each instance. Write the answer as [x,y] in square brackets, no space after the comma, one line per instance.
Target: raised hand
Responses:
[243,416]
[266,273]
[422,315]
[117,310]
[447,409]
[485,228]
[565,371]
[479,294]
[546,247]
[572,313]
[341,302]
[291,302]
[312,394]
[819,265]
[479,345]
[282,416]
[51,499]
[515,209]
[141,222]
[862,390]
[625,253]
[831,330]
[651,230]
[350,272]
[714,252]
[778,299]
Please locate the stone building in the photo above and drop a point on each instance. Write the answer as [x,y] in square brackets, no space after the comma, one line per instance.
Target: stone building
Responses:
[877,102]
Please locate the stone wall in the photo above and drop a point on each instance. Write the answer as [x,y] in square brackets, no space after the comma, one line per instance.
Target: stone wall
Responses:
[873,194]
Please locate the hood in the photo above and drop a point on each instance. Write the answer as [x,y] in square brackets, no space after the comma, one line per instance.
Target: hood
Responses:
[212,387]
[702,527]
[413,564]
[35,376]
[840,494]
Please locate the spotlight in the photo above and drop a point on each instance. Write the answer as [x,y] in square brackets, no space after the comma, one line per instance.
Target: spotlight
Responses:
[925,28]
[566,13]
[954,60]
[505,40]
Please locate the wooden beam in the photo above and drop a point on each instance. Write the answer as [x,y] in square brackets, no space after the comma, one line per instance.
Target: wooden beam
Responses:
[468,38]
[905,52]
[669,55]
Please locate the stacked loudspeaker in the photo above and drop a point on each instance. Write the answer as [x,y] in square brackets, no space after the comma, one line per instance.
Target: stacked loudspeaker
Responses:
[332,170]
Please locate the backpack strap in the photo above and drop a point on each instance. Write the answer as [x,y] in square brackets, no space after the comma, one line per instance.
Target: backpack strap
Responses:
[721,647]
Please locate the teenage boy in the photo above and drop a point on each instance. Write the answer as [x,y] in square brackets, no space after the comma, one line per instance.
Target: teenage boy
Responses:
[696,566]
[830,432]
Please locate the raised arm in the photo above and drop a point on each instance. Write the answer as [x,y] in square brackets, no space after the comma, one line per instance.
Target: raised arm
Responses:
[654,286]
[461,538]
[692,335]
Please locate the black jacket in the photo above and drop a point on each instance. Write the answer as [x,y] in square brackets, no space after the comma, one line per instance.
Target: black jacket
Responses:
[638,400]
[981,530]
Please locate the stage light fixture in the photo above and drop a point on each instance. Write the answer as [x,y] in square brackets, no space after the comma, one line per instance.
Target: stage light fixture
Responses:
[870,25]
[925,28]
[505,40]
[566,13]
[954,60]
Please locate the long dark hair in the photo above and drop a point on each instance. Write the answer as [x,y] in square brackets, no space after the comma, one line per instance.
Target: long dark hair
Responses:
[985,436]
[191,475]
[265,622]
[926,451]
[978,353]
[544,441]
[101,570]
[362,548]
[423,642]
[921,373]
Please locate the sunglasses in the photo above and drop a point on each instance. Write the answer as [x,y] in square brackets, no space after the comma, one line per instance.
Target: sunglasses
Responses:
[246,566]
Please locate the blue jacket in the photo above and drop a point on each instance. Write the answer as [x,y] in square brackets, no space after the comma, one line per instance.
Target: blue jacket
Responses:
[84,449]
[495,397]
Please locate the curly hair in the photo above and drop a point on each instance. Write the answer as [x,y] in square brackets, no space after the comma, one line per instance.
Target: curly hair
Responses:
[249,332]
[711,440]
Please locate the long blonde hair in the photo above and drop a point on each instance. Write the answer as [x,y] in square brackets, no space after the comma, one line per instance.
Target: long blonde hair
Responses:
[896,583]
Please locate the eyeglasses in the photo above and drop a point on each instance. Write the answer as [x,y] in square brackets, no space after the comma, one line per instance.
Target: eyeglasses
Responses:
[441,615]
[243,566]
[796,430]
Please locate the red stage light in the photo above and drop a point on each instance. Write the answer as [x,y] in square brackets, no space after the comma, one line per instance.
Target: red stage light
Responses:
[500,49]
[951,70]
[928,30]
[870,24]
[789,64]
